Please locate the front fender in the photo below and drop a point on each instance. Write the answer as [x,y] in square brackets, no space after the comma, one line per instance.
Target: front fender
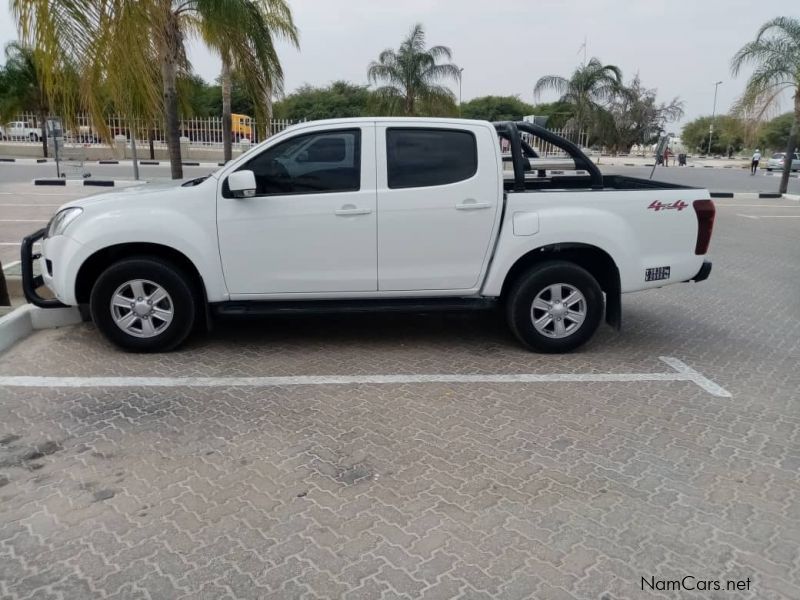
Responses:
[193,237]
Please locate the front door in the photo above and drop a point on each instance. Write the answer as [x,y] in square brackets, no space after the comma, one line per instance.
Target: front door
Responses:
[305,230]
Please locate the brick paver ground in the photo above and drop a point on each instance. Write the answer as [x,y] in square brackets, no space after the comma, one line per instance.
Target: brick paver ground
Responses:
[422,490]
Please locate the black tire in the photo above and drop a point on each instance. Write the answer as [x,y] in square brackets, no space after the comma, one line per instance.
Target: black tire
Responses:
[170,278]
[529,285]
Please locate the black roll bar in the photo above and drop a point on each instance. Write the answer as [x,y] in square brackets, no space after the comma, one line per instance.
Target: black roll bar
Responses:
[509,130]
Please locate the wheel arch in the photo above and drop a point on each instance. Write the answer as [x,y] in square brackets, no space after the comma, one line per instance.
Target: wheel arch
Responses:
[99,261]
[595,260]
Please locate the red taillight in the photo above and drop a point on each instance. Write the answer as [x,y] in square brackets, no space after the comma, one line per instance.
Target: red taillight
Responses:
[705,211]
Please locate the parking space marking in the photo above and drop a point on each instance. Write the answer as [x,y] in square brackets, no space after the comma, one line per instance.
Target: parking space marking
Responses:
[756,205]
[768,216]
[682,372]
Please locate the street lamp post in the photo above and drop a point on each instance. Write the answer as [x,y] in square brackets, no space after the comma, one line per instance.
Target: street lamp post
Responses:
[713,114]
[460,71]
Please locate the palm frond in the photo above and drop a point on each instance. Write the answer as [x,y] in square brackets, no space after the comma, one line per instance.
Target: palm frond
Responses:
[555,83]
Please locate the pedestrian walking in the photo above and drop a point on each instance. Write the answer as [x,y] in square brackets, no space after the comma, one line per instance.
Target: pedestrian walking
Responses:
[754,162]
[666,156]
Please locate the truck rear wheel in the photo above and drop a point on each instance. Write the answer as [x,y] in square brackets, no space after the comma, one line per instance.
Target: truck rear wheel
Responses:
[143,305]
[555,307]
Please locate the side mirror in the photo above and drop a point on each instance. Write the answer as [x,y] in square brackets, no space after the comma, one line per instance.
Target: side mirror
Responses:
[242,184]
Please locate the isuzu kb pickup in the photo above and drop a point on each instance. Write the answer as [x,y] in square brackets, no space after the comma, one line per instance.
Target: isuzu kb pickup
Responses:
[375,214]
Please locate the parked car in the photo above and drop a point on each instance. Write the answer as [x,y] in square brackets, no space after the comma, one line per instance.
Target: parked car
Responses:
[374,214]
[776,161]
[21,130]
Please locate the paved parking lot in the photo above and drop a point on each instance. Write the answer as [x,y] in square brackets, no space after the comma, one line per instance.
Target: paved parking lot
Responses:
[368,488]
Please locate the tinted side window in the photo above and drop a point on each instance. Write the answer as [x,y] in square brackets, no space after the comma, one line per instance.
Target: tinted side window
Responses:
[428,157]
[314,163]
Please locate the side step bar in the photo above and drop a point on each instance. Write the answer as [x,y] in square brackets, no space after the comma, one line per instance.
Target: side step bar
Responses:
[322,307]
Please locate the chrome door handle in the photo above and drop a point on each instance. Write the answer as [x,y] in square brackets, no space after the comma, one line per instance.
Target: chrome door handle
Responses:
[351,209]
[472,205]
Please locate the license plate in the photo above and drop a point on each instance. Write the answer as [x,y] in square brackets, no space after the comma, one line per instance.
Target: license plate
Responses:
[656,273]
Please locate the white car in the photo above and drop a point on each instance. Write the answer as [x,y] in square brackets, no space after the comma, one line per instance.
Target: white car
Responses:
[374,214]
[21,130]
[775,162]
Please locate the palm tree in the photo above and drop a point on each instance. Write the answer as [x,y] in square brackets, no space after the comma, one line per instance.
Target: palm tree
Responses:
[590,87]
[413,77]
[775,54]
[261,21]
[21,88]
[136,49]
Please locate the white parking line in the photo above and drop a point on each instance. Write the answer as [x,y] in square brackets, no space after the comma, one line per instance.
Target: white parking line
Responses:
[683,372]
[768,216]
[756,205]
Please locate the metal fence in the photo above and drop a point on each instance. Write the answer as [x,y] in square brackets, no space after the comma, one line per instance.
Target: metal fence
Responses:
[199,131]
[207,132]
[546,149]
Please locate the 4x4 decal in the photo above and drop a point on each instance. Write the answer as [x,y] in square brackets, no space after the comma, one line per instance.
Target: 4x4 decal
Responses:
[657,205]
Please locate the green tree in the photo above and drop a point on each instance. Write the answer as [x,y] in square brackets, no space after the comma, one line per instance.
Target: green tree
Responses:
[21,88]
[135,49]
[412,79]
[775,56]
[729,134]
[496,108]
[635,117]
[252,53]
[587,91]
[337,100]
[774,133]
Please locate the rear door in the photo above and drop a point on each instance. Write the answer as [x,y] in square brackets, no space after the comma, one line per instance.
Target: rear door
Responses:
[439,193]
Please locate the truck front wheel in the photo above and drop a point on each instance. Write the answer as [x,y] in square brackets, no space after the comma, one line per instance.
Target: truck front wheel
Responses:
[555,307]
[143,305]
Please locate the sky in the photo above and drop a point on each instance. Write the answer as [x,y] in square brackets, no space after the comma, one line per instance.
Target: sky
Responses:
[679,47]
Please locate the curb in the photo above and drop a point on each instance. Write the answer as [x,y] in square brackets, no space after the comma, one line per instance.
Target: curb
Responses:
[750,195]
[89,182]
[24,320]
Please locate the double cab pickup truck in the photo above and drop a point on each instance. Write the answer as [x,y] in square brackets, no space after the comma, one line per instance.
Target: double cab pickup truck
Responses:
[375,214]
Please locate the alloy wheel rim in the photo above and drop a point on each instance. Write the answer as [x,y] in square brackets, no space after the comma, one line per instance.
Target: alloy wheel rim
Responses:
[558,310]
[142,308]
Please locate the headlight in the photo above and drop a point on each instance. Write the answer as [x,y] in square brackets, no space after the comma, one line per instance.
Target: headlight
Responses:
[62,220]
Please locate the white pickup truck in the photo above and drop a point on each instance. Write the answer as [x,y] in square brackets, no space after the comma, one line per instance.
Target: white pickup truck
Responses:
[20,130]
[374,214]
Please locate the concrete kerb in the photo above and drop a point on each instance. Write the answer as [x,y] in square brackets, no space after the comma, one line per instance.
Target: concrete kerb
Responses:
[88,182]
[751,195]
[22,321]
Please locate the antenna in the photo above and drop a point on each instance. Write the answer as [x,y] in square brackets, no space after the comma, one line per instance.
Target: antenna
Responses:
[583,47]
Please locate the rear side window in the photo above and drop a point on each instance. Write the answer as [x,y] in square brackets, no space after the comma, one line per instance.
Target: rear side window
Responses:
[428,157]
